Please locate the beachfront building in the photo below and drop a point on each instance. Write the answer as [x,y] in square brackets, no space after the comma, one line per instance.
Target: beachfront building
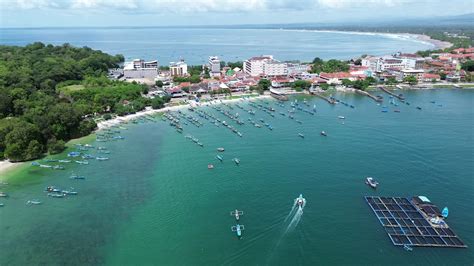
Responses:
[297,69]
[214,66]
[178,69]
[417,73]
[140,69]
[381,64]
[265,65]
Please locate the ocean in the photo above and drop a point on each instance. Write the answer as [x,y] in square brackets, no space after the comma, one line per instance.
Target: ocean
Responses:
[195,45]
[155,202]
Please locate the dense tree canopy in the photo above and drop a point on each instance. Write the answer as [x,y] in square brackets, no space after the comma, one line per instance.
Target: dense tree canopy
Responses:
[329,66]
[39,110]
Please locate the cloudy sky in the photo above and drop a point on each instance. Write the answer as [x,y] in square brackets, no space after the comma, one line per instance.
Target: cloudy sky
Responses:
[47,13]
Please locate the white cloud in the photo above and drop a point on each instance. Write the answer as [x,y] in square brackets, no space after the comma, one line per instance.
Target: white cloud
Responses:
[191,6]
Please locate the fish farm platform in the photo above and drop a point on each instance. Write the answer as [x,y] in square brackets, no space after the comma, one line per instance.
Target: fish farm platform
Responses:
[408,225]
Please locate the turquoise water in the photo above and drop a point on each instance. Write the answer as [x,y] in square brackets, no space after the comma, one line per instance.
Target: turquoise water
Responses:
[195,45]
[155,201]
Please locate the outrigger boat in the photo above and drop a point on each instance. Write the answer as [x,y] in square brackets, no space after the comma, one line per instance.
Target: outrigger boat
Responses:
[75,176]
[33,202]
[301,135]
[323,133]
[238,228]
[219,158]
[236,161]
[371,182]
[220,149]
[236,214]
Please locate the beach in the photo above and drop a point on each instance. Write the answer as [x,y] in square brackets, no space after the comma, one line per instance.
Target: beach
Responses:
[425,38]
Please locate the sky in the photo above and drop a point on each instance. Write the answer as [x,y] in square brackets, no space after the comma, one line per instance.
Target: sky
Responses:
[98,13]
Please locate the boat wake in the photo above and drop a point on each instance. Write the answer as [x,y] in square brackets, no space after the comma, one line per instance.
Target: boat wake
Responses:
[295,214]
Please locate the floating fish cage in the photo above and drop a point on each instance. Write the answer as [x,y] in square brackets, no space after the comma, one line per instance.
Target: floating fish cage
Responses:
[408,225]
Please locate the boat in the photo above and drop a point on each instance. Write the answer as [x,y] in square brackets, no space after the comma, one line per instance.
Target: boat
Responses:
[64,161]
[56,195]
[102,158]
[3,195]
[238,229]
[210,166]
[74,154]
[236,214]
[396,111]
[58,167]
[236,161]
[419,108]
[407,247]
[69,192]
[82,162]
[323,133]
[52,189]
[218,157]
[445,212]
[341,117]
[300,201]
[200,144]
[75,176]
[371,182]
[220,149]
[33,202]
[301,135]
[1,204]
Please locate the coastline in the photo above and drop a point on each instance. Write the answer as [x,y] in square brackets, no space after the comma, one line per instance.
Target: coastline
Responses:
[120,119]
[7,166]
[405,35]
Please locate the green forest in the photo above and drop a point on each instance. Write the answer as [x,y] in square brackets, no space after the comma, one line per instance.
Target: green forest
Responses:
[50,94]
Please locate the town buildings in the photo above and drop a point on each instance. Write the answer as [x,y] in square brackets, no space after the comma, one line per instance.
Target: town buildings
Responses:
[264,65]
[178,69]
[214,66]
[140,69]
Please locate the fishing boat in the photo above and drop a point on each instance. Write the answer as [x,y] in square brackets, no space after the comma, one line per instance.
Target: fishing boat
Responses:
[59,167]
[82,162]
[64,161]
[33,202]
[419,108]
[210,166]
[218,157]
[102,158]
[69,192]
[56,195]
[323,133]
[52,189]
[200,144]
[236,161]
[236,214]
[75,176]
[341,117]
[220,149]
[301,135]
[1,204]
[238,228]
[396,111]
[3,195]
[371,182]
[445,212]
[74,154]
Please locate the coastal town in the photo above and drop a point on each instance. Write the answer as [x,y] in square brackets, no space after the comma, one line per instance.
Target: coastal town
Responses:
[216,77]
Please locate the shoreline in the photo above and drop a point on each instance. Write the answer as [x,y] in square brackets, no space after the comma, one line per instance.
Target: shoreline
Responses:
[148,111]
[6,167]
[422,38]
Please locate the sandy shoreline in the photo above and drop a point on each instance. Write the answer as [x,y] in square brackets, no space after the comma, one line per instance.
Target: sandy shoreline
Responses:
[121,119]
[6,166]
[425,38]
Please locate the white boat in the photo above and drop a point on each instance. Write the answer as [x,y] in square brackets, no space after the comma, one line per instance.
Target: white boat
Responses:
[238,228]
[300,201]
[236,161]
[341,117]
[33,202]
[236,214]
[371,182]
[301,135]
[220,149]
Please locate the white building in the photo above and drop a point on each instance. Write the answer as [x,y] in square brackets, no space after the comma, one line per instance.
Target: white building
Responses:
[265,65]
[296,69]
[380,64]
[178,68]
[139,68]
[214,66]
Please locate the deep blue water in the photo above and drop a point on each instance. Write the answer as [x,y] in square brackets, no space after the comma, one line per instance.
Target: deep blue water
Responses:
[197,44]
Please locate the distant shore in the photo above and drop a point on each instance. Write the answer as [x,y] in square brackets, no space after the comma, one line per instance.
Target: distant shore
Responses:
[437,43]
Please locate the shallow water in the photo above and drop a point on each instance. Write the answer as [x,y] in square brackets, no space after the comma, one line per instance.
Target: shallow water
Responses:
[155,201]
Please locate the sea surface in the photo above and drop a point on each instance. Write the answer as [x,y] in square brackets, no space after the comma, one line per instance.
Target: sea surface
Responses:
[155,202]
[195,45]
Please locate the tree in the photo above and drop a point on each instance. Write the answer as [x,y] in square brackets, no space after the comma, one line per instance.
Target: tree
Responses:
[324,86]
[468,65]
[56,146]
[410,80]
[159,83]
[347,82]
[157,103]
[391,81]
[264,84]
[301,85]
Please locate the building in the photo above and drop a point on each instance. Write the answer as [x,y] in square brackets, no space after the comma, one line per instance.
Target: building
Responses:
[297,69]
[139,68]
[179,69]
[274,68]
[381,64]
[214,66]
[417,73]
[254,66]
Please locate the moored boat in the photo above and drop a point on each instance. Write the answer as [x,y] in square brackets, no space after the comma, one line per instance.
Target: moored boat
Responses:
[323,133]
[221,149]
[236,161]
[301,135]
[238,228]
